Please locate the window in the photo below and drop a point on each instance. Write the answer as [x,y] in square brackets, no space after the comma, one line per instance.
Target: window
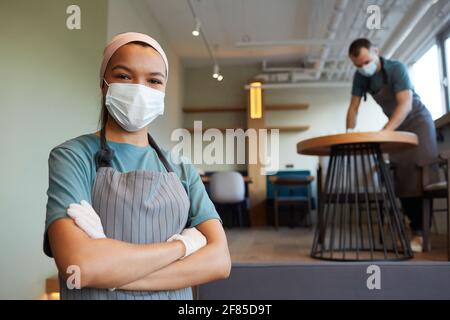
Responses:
[447,62]
[426,78]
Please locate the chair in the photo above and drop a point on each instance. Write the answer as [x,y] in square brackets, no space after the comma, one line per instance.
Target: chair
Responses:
[432,191]
[291,182]
[228,189]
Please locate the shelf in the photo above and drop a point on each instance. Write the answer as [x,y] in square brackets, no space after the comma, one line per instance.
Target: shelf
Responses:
[221,129]
[289,128]
[213,109]
[281,128]
[269,107]
[286,107]
[442,121]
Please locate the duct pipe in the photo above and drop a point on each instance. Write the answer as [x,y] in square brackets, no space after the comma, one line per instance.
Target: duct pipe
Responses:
[417,12]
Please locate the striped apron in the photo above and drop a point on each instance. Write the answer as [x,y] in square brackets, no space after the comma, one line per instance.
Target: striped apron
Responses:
[136,207]
[407,174]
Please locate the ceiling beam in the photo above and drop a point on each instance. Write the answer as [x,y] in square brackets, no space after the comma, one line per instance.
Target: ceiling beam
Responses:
[285,43]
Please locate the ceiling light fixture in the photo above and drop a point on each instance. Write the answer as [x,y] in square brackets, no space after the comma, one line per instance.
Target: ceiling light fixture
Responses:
[216,71]
[197,32]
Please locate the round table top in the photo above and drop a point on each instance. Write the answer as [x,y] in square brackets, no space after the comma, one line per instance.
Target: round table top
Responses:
[390,141]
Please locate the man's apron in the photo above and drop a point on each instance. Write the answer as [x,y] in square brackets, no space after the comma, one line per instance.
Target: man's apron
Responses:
[408,176]
[136,207]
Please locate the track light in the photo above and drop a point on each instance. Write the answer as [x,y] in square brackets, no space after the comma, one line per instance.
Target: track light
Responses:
[196,31]
[216,71]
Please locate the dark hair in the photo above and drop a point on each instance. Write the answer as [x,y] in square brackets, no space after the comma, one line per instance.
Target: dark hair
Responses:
[357,45]
[104,155]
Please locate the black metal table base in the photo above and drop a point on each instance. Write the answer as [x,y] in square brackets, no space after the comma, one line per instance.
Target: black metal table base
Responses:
[358,215]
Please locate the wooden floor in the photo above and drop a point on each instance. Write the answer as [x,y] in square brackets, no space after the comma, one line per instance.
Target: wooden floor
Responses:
[265,244]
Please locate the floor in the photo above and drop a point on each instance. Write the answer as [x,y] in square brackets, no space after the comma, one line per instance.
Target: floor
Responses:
[265,244]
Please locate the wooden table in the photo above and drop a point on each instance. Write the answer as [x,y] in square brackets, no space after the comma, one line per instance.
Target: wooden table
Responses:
[358,215]
[206,179]
[388,141]
[291,180]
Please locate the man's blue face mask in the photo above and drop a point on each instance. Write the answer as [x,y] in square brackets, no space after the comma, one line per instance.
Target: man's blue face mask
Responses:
[369,69]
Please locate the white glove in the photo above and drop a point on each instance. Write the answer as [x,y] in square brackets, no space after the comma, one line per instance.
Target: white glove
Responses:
[87,219]
[192,238]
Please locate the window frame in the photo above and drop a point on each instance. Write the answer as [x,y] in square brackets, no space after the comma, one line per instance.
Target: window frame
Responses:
[444,64]
[444,72]
[434,42]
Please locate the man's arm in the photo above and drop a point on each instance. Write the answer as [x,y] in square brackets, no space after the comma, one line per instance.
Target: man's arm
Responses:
[210,263]
[107,263]
[353,112]
[403,108]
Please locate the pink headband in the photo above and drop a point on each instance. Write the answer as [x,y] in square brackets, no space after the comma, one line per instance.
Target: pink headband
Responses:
[121,40]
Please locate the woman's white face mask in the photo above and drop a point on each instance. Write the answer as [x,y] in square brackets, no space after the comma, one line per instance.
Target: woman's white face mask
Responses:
[133,106]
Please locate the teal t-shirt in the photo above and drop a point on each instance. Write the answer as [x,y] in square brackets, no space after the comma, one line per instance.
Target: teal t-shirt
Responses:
[397,79]
[72,174]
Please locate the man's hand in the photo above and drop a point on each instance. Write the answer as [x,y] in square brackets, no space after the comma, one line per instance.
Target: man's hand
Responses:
[404,106]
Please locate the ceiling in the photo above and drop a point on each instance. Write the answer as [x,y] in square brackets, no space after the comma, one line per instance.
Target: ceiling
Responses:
[227,22]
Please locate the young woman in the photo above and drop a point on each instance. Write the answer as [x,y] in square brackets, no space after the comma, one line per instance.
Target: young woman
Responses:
[122,215]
